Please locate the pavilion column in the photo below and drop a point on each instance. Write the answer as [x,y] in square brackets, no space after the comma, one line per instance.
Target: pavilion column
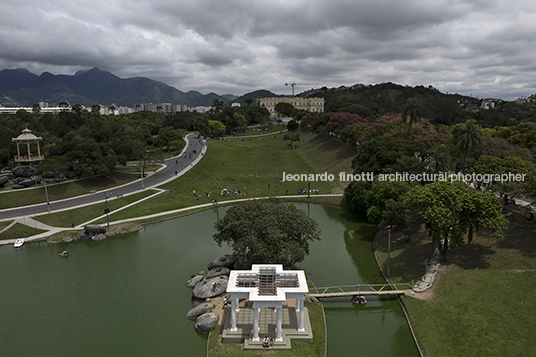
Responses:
[18,150]
[278,327]
[234,310]
[297,304]
[29,154]
[301,327]
[38,150]
[255,323]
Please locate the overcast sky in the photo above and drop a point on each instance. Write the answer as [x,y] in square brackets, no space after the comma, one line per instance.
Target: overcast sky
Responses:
[484,48]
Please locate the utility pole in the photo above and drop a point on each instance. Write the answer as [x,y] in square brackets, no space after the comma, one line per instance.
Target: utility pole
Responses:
[217,189]
[309,184]
[389,251]
[141,170]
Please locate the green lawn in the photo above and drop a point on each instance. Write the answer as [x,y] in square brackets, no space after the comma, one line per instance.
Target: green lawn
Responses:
[256,164]
[19,231]
[275,129]
[483,302]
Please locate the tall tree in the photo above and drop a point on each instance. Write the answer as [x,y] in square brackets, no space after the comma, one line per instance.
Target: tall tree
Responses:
[267,231]
[452,210]
[467,138]
[412,110]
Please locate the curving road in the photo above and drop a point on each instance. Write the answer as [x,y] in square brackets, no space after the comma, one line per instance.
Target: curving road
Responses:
[173,168]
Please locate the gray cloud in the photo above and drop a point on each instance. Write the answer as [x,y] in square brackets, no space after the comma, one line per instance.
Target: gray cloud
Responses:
[479,47]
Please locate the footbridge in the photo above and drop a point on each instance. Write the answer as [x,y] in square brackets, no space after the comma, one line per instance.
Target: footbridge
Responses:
[359,290]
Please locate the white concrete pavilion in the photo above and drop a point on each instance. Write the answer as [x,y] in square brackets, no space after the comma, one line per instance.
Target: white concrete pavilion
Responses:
[267,291]
[27,138]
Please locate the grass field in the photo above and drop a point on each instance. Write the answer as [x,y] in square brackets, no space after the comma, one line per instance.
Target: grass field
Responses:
[258,165]
[19,231]
[482,303]
[275,129]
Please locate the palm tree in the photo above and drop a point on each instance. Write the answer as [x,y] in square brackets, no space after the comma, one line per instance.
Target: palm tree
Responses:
[511,122]
[439,160]
[412,110]
[467,137]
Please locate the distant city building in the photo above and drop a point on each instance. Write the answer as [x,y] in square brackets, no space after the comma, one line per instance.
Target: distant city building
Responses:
[13,110]
[490,103]
[313,105]
[161,107]
[124,110]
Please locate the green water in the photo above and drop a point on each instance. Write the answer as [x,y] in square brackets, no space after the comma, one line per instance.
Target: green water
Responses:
[125,296]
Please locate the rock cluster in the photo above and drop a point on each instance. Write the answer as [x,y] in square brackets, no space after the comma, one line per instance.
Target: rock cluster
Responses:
[208,286]
[93,232]
[21,176]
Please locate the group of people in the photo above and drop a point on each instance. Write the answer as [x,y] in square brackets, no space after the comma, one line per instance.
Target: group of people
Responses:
[268,342]
[305,190]
[226,192]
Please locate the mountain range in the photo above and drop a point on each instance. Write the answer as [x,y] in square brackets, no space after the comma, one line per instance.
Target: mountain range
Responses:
[20,87]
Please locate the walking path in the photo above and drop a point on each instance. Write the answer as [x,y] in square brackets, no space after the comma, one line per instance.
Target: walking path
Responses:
[431,271]
[54,230]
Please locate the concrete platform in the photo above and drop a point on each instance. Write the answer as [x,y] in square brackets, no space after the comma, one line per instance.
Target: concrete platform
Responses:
[267,323]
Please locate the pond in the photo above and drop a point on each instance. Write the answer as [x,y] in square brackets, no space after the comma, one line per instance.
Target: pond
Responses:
[126,295]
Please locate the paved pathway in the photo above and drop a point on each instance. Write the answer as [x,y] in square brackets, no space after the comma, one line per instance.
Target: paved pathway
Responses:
[431,271]
[54,230]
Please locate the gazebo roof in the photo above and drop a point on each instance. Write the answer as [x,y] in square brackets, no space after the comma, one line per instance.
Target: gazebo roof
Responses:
[27,136]
[267,282]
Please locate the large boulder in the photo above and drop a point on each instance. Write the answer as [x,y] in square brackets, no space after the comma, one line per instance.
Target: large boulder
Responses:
[93,230]
[23,171]
[82,236]
[199,310]
[99,236]
[206,289]
[194,281]
[218,272]
[226,261]
[3,180]
[27,183]
[196,301]
[206,322]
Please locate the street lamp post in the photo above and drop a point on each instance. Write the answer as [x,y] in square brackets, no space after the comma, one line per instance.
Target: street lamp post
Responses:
[217,189]
[389,251]
[46,194]
[107,210]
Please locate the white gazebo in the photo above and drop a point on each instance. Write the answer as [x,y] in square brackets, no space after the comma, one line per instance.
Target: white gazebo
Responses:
[268,286]
[27,138]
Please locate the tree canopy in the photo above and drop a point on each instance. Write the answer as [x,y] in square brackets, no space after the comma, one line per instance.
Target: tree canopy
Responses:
[267,231]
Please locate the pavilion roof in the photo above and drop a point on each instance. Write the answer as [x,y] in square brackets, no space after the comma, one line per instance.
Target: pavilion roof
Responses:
[27,136]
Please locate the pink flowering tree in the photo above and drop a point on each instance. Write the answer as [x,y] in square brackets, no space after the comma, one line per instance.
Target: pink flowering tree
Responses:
[338,121]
